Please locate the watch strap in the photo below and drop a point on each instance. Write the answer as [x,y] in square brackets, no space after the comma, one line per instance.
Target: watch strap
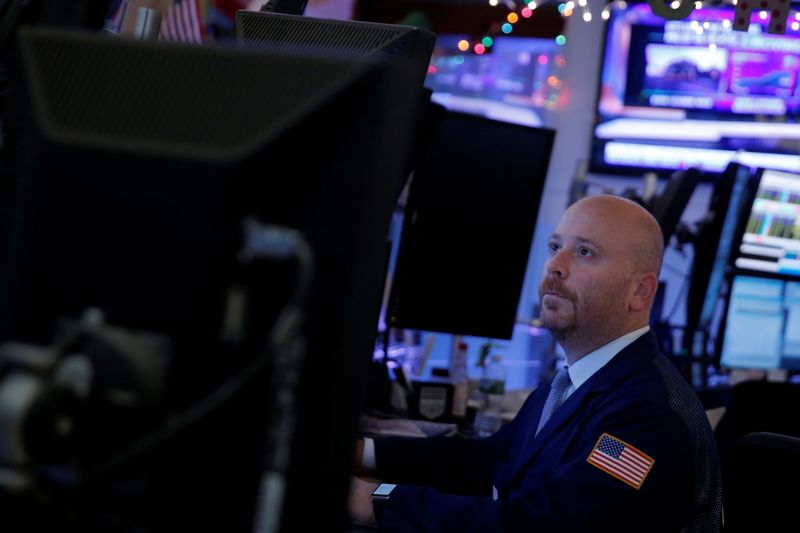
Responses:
[380,497]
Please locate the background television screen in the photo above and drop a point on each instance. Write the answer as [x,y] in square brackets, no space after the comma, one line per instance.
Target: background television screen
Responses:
[762,326]
[771,241]
[517,80]
[693,92]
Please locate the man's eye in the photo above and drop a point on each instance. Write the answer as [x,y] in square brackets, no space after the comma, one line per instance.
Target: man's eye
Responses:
[585,252]
[553,247]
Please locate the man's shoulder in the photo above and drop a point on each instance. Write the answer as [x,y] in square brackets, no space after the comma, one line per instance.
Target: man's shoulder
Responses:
[651,377]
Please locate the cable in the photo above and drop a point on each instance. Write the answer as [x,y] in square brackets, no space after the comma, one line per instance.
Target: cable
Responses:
[279,350]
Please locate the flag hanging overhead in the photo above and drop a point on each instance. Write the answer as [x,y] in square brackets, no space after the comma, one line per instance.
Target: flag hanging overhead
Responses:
[184,22]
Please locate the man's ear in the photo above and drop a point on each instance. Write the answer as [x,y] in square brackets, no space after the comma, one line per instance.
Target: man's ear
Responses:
[645,291]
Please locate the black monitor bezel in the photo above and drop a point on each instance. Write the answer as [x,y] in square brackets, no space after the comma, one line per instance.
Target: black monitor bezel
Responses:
[492,321]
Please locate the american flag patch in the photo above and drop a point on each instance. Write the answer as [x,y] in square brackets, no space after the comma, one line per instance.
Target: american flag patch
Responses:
[621,460]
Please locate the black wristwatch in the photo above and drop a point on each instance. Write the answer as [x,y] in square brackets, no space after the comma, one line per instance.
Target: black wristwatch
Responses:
[380,496]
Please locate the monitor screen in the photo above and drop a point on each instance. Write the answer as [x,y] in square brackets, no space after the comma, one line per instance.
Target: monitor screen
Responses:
[762,325]
[136,165]
[771,241]
[468,227]
[694,92]
[517,79]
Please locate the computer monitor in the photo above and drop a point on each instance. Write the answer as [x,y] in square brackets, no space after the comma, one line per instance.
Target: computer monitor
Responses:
[714,245]
[771,241]
[255,29]
[468,227]
[762,318]
[695,92]
[136,163]
[762,326]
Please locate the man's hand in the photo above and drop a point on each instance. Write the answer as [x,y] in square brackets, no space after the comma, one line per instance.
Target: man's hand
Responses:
[359,502]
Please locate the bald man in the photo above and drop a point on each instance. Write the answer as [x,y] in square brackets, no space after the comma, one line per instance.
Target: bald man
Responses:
[617,442]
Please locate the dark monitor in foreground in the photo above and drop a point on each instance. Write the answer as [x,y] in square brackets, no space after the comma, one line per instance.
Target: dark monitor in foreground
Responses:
[138,163]
[256,29]
[468,227]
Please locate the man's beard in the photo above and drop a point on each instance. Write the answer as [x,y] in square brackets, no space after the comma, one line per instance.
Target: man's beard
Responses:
[559,332]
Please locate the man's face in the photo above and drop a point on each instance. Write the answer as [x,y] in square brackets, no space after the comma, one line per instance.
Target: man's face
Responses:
[587,282]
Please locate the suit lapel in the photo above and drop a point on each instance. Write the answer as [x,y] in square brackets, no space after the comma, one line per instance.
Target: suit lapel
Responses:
[533,445]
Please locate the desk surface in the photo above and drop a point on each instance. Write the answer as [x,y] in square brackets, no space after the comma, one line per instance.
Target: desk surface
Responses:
[371,426]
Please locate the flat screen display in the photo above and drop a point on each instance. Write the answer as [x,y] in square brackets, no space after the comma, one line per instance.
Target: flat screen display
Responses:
[696,93]
[762,324]
[771,241]
[468,227]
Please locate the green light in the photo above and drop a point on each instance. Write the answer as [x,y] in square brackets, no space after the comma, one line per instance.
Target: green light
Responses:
[561,40]
[487,41]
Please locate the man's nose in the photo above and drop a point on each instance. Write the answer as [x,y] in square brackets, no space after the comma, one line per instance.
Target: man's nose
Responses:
[556,266]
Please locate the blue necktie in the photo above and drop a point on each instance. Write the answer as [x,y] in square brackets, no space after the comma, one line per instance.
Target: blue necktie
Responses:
[558,388]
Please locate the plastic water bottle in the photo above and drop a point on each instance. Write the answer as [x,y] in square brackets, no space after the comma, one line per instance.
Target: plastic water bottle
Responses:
[488,418]
[459,378]
[458,362]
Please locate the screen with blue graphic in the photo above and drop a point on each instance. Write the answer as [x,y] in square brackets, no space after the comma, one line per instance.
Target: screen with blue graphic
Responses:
[771,241]
[762,327]
[696,93]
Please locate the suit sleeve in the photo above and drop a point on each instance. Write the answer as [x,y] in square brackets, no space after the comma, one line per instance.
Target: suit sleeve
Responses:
[451,464]
[559,490]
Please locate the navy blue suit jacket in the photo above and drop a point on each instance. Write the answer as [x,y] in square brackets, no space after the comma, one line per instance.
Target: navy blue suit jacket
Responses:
[545,483]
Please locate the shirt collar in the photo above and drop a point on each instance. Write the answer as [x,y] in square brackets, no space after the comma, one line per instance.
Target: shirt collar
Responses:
[586,366]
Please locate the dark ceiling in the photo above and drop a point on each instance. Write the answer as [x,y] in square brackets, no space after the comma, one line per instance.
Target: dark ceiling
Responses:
[475,18]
